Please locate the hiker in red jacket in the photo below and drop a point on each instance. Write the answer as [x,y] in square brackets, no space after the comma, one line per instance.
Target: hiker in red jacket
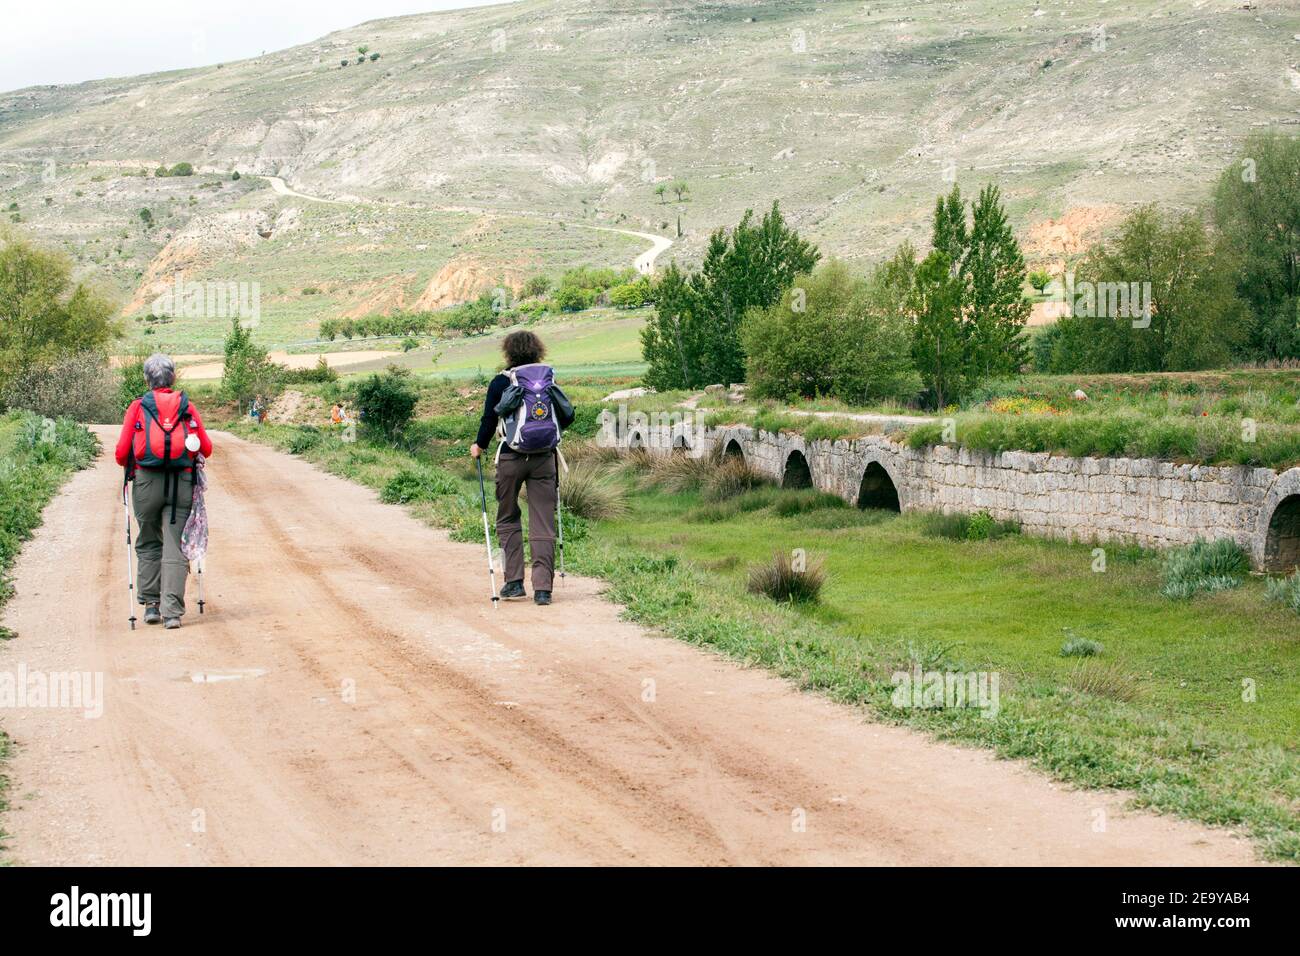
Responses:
[161,435]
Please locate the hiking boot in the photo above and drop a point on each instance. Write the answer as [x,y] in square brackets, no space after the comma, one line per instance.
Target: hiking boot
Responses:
[542,597]
[151,614]
[513,589]
[172,623]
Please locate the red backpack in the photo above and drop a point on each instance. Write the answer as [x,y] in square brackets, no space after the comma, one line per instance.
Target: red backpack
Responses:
[165,423]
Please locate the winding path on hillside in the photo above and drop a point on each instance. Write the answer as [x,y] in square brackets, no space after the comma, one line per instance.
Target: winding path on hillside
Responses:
[350,697]
[645,262]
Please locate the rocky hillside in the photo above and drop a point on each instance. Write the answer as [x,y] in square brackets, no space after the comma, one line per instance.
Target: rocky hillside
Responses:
[481,138]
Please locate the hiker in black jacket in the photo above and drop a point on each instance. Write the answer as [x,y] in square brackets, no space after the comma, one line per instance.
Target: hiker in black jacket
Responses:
[536,470]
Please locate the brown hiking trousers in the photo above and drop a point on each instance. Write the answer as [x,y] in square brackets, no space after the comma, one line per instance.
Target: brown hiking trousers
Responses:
[536,472]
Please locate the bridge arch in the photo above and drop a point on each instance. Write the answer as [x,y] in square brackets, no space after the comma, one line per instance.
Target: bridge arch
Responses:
[796,472]
[877,488]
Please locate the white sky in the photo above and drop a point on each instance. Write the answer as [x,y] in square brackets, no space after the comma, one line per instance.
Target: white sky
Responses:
[67,41]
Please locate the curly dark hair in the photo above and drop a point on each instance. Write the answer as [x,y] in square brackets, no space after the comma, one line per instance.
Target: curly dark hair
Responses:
[522,348]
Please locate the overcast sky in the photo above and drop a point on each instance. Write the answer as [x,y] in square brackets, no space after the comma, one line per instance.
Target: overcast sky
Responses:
[67,41]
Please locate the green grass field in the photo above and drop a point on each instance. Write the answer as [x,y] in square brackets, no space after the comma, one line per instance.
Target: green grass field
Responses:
[597,342]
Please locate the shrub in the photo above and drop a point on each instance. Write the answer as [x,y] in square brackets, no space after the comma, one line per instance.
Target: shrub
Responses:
[387,402]
[422,484]
[593,492]
[783,580]
[1285,591]
[319,373]
[1207,566]
[830,334]
[980,526]
[304,440]
[1081,647]
[82,387]
[181,169]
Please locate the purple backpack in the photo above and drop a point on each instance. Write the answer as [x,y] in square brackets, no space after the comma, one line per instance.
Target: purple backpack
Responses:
[527,409]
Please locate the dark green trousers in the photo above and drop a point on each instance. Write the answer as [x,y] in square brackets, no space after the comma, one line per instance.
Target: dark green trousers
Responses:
[160,566]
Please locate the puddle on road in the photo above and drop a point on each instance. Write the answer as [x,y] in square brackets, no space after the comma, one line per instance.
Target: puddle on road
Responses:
[216,677]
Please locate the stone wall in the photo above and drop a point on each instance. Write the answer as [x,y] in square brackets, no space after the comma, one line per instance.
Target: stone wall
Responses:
[1139,500]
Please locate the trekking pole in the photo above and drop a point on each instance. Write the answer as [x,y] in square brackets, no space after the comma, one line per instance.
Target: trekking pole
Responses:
[199,564]
[487,538]
[130,573]
[559,511]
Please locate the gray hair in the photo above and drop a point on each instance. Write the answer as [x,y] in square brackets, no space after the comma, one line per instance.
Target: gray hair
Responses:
[159,371]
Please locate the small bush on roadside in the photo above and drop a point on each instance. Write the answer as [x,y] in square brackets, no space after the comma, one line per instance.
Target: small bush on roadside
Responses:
[418,484]
[83,387]
[304,440]
[1204,566]
[782,580]
[387,402]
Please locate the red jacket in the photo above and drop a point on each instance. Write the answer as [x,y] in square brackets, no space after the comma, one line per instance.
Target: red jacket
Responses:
[134,417]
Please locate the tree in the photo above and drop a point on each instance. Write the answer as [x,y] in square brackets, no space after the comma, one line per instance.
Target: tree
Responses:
[146,217]
[680,188]
[660,191]
[994,301]
[536,286]
[694,338]
[940,340]
[1257,211]
[363,50]
[247,370]
[833,335]
[1040,279]
[1192,318]
[44,316]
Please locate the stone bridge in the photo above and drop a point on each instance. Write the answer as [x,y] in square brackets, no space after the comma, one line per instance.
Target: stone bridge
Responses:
[1155,504]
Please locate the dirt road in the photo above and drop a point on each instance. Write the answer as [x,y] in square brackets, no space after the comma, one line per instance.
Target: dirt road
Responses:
[351,698]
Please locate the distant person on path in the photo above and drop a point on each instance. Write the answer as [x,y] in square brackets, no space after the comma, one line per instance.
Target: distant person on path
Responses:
[162,435]
[531,412]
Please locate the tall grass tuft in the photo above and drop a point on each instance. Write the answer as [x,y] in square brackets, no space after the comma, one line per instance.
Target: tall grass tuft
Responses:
[781,581]
[1285,591]
[733,477]
[1203,566]
[1102,679]
[980,526]
[593,491]
[681,472]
